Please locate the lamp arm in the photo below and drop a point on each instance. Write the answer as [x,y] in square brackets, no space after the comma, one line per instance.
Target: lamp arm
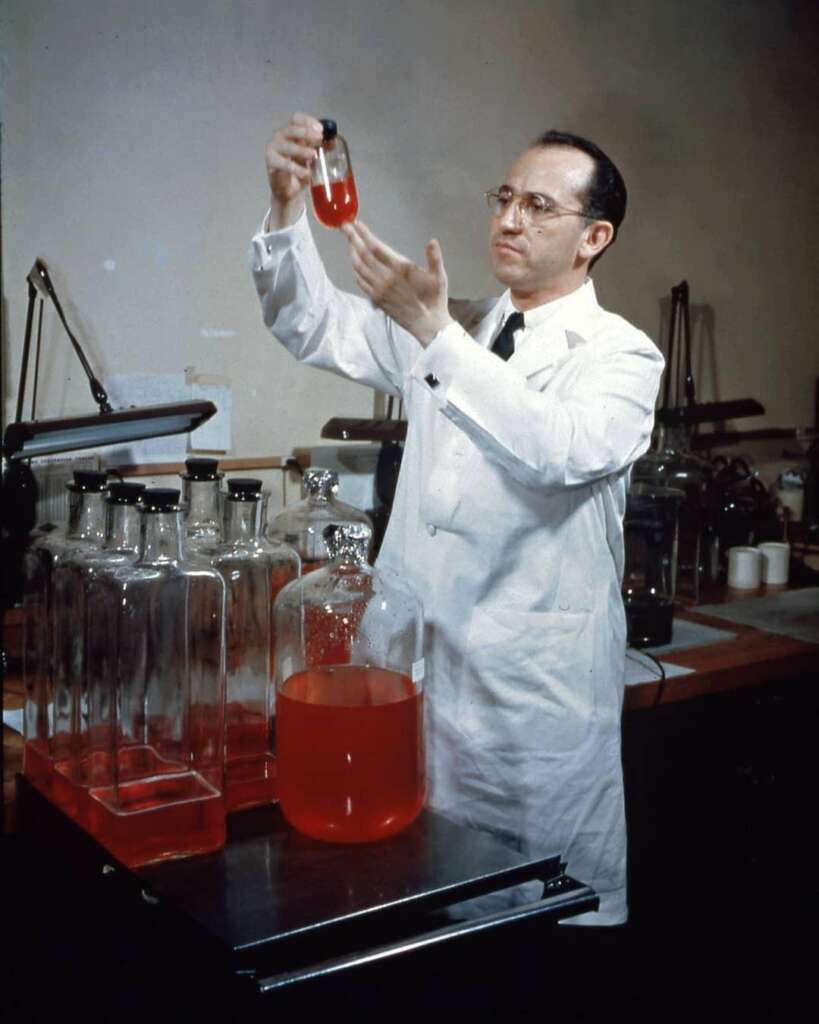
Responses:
[39,278]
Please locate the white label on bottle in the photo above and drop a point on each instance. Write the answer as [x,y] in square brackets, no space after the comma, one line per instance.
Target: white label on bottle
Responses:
[418,670]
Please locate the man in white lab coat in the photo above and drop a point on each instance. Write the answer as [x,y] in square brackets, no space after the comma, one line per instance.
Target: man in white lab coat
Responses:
[508,511]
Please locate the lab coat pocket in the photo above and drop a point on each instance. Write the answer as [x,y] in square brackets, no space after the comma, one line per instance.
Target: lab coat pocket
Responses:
[528,688]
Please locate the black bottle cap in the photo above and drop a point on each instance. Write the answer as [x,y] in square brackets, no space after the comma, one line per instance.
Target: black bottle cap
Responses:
[329,129]
[243,488]
[160,499]
[89,480]
[124,493]
[202,469]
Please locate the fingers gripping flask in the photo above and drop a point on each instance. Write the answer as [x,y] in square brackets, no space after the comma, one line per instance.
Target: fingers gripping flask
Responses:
[349,700]
[335,200]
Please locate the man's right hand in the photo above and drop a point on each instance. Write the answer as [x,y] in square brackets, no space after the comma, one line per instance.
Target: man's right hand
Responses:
[288,158]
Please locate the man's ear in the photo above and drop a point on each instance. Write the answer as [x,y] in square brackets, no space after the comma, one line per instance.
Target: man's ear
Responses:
[595,239]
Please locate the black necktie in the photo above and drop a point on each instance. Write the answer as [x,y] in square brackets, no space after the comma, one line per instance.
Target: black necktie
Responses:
[504,344]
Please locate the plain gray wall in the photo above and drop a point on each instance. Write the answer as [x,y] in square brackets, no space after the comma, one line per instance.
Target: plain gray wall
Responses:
[133,138]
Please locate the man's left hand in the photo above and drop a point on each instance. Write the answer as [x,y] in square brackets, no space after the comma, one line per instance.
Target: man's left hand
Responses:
[415,297]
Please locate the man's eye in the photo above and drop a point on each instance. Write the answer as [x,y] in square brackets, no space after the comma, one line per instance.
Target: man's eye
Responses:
[539,204]
[504,198]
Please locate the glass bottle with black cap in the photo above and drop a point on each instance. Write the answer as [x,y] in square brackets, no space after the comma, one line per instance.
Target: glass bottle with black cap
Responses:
[164,617]
[85,529]
[78,734]
[201,500]
[254,570]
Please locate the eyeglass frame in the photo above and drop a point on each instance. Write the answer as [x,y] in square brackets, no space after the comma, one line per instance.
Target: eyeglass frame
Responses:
[493,196]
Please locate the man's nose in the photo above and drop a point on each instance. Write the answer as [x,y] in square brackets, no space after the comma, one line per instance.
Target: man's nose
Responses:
[512,217]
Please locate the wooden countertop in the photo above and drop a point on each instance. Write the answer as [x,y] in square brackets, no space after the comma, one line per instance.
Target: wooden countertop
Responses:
[753,657]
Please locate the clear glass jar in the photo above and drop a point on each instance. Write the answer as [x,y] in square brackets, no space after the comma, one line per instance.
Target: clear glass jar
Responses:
[85,529]
[302,524]
[254,570]
[349,701]
[201,501]
[650,577]
[335,200]
[79,740]
[159,624]
[675,467]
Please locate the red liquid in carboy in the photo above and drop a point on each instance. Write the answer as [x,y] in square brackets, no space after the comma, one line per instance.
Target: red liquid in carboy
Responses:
[337,203]
[350,752]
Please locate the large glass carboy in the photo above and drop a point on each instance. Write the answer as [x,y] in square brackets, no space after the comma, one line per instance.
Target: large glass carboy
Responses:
[164,618]
[254,570]
[85,529]
[349,714]
[302,524]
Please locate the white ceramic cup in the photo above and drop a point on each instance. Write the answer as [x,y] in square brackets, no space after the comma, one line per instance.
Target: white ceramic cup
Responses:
[744,568]
[776,560]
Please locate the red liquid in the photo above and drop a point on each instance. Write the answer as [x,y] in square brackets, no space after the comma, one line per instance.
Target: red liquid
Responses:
[310,565]
[250,771]
[350,753]
[336,205]
[37,765]
[154,817]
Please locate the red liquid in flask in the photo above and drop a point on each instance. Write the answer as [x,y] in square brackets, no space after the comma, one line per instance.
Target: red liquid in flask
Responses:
[163,812]
[250,769]
[336,203]
[350,752]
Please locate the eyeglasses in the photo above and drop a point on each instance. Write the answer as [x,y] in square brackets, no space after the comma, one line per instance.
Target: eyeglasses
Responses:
[534,208]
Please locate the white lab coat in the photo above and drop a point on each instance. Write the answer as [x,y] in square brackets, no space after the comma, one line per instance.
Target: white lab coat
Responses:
[507,519]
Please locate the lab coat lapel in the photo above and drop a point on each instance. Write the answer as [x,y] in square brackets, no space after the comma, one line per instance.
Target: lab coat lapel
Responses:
[558,337]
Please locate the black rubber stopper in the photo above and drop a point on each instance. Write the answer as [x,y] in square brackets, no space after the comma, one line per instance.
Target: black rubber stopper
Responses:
[90,480]
[124,493]
[160,499]
[201,468]
[244,488]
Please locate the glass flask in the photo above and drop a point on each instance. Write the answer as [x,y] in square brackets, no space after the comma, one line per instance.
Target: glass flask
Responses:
[85,529]
[676,467]
[158,626]
[254,570]
[349,714]
[80,710]
[201,500]
[649,580]
[335,200]
[302,524]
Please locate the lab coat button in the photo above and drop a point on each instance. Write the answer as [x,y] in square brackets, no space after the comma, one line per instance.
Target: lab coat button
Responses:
[431,530]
